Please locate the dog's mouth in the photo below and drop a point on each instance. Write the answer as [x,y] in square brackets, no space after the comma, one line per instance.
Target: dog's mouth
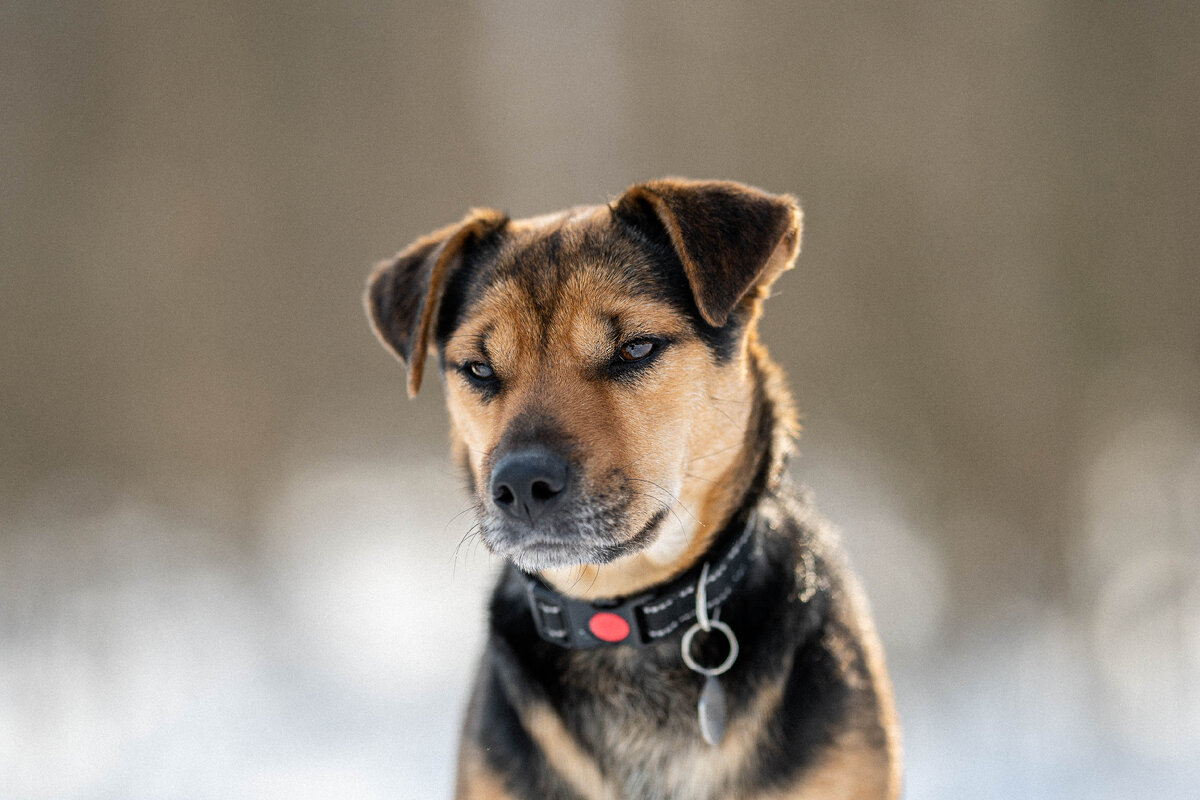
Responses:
[591,538]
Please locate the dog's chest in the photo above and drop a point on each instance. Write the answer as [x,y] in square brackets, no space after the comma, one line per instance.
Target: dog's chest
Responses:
[640,722]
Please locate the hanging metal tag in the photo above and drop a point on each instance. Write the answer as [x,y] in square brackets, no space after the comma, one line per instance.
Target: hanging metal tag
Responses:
[711,709]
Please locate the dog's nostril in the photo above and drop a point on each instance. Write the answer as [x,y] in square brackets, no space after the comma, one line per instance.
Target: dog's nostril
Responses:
[542,491]
[503,495]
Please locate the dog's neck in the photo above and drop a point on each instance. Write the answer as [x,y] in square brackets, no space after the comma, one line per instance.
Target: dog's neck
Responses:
[706,505]
[649,618]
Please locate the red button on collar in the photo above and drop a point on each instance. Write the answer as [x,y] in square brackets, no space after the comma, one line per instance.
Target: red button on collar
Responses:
[608,627]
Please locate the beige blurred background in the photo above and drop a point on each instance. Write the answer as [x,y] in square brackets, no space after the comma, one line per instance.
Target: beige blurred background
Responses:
[228,563]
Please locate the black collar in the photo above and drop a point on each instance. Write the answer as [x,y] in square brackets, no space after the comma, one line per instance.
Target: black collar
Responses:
[645,619]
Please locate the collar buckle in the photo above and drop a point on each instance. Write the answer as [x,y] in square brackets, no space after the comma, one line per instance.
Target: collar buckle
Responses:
[581,624]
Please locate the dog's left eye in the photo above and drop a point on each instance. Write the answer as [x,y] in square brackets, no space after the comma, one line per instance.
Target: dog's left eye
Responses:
[481,371]
[636,350]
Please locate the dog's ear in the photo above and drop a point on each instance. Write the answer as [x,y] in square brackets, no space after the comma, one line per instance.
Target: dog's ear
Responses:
[403,293]
[730,238]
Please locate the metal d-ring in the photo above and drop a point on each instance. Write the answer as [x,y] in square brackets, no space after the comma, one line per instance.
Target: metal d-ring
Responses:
[704,623]
[702,599]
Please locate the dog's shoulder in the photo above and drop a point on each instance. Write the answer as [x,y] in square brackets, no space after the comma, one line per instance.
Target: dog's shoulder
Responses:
[859,755]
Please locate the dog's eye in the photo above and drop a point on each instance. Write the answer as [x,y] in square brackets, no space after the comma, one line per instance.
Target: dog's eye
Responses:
[635,350]
[480,370]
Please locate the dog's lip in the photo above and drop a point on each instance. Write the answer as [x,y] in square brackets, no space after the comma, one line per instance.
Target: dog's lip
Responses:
[508,546]
[539,554]
[647,532]
[521,547]
[548,544]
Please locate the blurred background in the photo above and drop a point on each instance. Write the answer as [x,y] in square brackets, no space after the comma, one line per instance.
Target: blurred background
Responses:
[228,563]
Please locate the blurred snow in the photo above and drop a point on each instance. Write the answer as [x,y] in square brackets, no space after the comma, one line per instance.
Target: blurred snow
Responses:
[147,655]
[1140,566]
[365,559]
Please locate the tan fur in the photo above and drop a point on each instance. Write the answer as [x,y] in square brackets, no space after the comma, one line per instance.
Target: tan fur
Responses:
[852,769]
[881,716]
[565,756]
[699,770]
[696,771]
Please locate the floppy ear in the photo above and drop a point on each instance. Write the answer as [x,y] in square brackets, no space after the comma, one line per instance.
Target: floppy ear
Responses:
[403,293]
[729,237]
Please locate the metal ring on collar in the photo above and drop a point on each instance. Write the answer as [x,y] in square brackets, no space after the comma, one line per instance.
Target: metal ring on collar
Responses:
[723,667]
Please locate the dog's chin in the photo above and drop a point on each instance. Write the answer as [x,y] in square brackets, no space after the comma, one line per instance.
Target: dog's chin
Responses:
[535,550]
[534,557]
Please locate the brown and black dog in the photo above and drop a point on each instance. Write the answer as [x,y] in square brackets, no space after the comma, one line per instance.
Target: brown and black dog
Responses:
[625,437]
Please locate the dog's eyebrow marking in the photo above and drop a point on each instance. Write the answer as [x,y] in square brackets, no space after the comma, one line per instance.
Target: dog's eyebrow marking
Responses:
[472,343]
[613,326]
[481,339]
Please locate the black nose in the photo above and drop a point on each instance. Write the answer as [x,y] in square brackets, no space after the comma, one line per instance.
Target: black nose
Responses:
[527,483]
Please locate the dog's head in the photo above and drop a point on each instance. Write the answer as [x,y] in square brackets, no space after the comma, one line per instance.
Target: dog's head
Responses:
[596,364]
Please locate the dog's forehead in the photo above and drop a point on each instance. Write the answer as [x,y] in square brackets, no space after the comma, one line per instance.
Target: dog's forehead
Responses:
[572,279]
[545,254]
[583,316]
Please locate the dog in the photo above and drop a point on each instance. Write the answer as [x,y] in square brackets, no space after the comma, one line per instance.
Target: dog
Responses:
[674,620]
